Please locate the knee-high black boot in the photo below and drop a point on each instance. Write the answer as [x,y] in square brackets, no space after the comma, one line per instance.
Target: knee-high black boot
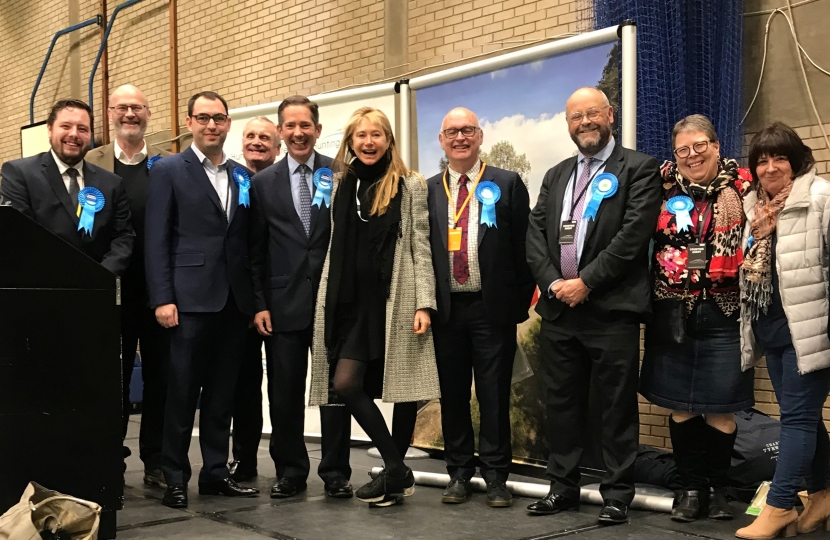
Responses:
[719,458]
[690,455]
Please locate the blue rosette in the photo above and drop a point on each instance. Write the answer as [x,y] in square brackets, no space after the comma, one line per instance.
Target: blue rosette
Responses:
[680,206]
[152,161]
[323,182]
[243,182]
[488,194]
[604,185]
[91,201]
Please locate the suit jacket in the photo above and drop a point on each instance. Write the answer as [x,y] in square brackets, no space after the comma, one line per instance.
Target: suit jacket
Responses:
[194,254]
[134,282]
[506,281]
[34,186]
[286,263]
[614,261]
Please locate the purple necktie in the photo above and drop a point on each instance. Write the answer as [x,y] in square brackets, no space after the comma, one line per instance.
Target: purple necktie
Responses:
[567,252]
[460,262]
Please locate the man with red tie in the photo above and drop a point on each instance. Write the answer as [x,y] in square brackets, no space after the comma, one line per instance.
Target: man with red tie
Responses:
[478,221]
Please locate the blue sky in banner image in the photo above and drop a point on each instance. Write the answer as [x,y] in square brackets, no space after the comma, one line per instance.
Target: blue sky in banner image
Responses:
[523,104]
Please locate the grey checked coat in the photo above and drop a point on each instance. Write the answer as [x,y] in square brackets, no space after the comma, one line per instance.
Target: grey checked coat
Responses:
[410,373]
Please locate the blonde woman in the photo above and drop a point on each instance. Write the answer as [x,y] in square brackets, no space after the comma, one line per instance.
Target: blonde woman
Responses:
[372,332]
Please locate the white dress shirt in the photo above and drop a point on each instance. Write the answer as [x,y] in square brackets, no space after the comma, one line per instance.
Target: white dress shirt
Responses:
[473,283]
[63,167]
[218,177]
[121,156]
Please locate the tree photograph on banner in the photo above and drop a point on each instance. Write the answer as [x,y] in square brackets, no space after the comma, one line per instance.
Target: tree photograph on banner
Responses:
[521,110]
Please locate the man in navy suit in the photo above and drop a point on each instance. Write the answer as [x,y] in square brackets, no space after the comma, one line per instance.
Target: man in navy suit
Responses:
[199,283]
[483,288]
[45,187]
[589,256]
[289,239]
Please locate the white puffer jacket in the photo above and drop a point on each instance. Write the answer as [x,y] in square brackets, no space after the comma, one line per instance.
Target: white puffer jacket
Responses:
[801,260]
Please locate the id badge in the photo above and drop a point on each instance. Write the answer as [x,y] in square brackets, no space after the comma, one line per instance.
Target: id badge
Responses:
[696,257]
[567,232]
[454,239]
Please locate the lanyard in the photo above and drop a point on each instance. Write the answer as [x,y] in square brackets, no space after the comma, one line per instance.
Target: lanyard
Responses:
[703,214]
[469,193]
[579,197]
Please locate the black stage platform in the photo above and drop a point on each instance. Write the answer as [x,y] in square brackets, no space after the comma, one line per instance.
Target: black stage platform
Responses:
[423,517]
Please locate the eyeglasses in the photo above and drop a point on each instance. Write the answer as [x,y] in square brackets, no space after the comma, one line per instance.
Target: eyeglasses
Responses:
[467,131]
[684,151]
[219,119]
[122,109]
[592,114]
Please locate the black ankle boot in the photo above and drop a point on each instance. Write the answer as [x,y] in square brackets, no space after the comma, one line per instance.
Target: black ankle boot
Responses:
[719,458]
[690,456]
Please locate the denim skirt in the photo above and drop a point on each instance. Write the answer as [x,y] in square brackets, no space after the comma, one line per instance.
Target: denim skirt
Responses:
[702,375]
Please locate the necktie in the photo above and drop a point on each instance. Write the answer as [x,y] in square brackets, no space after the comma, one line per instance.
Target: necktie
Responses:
[460,264]
[567,253]
[74,187]
[305,199]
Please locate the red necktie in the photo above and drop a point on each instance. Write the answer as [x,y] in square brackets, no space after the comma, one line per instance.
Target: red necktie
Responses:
[460,264]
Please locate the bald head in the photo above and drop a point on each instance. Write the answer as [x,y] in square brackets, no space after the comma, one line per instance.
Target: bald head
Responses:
[260,143]
[128,113]
[590,116]
[461,148]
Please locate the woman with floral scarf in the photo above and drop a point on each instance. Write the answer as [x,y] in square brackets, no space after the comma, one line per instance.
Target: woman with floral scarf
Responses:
[784,303]
[692,349]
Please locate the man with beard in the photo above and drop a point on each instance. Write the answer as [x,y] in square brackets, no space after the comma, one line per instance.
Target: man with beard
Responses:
[587,245]
[199,282]
[289,239]
[260,147]
[130,157]
[483,288]
[48,188]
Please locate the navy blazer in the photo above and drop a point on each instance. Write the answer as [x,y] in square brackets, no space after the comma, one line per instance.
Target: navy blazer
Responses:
[506,281]
[34,186]
[286,263]
[614,261]
[194,254]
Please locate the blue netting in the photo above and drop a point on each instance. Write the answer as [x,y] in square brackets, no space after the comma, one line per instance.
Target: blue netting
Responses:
[688,61]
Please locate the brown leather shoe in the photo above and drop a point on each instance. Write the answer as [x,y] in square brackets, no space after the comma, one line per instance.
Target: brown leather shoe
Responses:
[771,523]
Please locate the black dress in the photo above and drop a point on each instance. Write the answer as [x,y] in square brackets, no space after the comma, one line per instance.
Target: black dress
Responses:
[362,328]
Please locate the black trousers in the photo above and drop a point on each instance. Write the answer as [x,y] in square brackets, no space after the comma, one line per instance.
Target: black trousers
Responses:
[576,348]
[139,327]
[469,347]
[287,368]
[205,354]
[247,406]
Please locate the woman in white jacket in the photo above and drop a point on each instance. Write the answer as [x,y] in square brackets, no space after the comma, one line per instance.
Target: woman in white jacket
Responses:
[784,309]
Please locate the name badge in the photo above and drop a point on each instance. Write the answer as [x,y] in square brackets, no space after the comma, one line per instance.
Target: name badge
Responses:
[454,239]
[567,232]
[696,257]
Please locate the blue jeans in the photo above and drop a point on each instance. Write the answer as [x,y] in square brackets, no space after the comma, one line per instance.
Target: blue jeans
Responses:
[804,447]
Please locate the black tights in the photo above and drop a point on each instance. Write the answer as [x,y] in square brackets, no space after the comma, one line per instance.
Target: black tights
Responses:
[348,383]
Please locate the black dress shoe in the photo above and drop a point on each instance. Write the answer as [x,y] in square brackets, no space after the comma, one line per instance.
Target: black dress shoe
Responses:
[154,477]
[719,505]
[457,491]
[287,487]
[175,496]
[553,503]
[339,488]
[241,472]
[227,487]
[613,512]
[497,495]
[690,505]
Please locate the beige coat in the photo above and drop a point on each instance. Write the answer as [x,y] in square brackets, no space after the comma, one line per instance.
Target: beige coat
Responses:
[410,372]
[801,260]
[104,156]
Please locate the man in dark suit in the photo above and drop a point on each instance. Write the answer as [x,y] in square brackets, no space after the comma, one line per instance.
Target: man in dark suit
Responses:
[129,157]
[289,239]
[199,282]
[260,147]
[593,274]
[483,289]
[46,188]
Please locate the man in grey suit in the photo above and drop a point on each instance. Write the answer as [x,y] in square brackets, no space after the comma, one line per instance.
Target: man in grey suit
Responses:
[289,239]
[130,157]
